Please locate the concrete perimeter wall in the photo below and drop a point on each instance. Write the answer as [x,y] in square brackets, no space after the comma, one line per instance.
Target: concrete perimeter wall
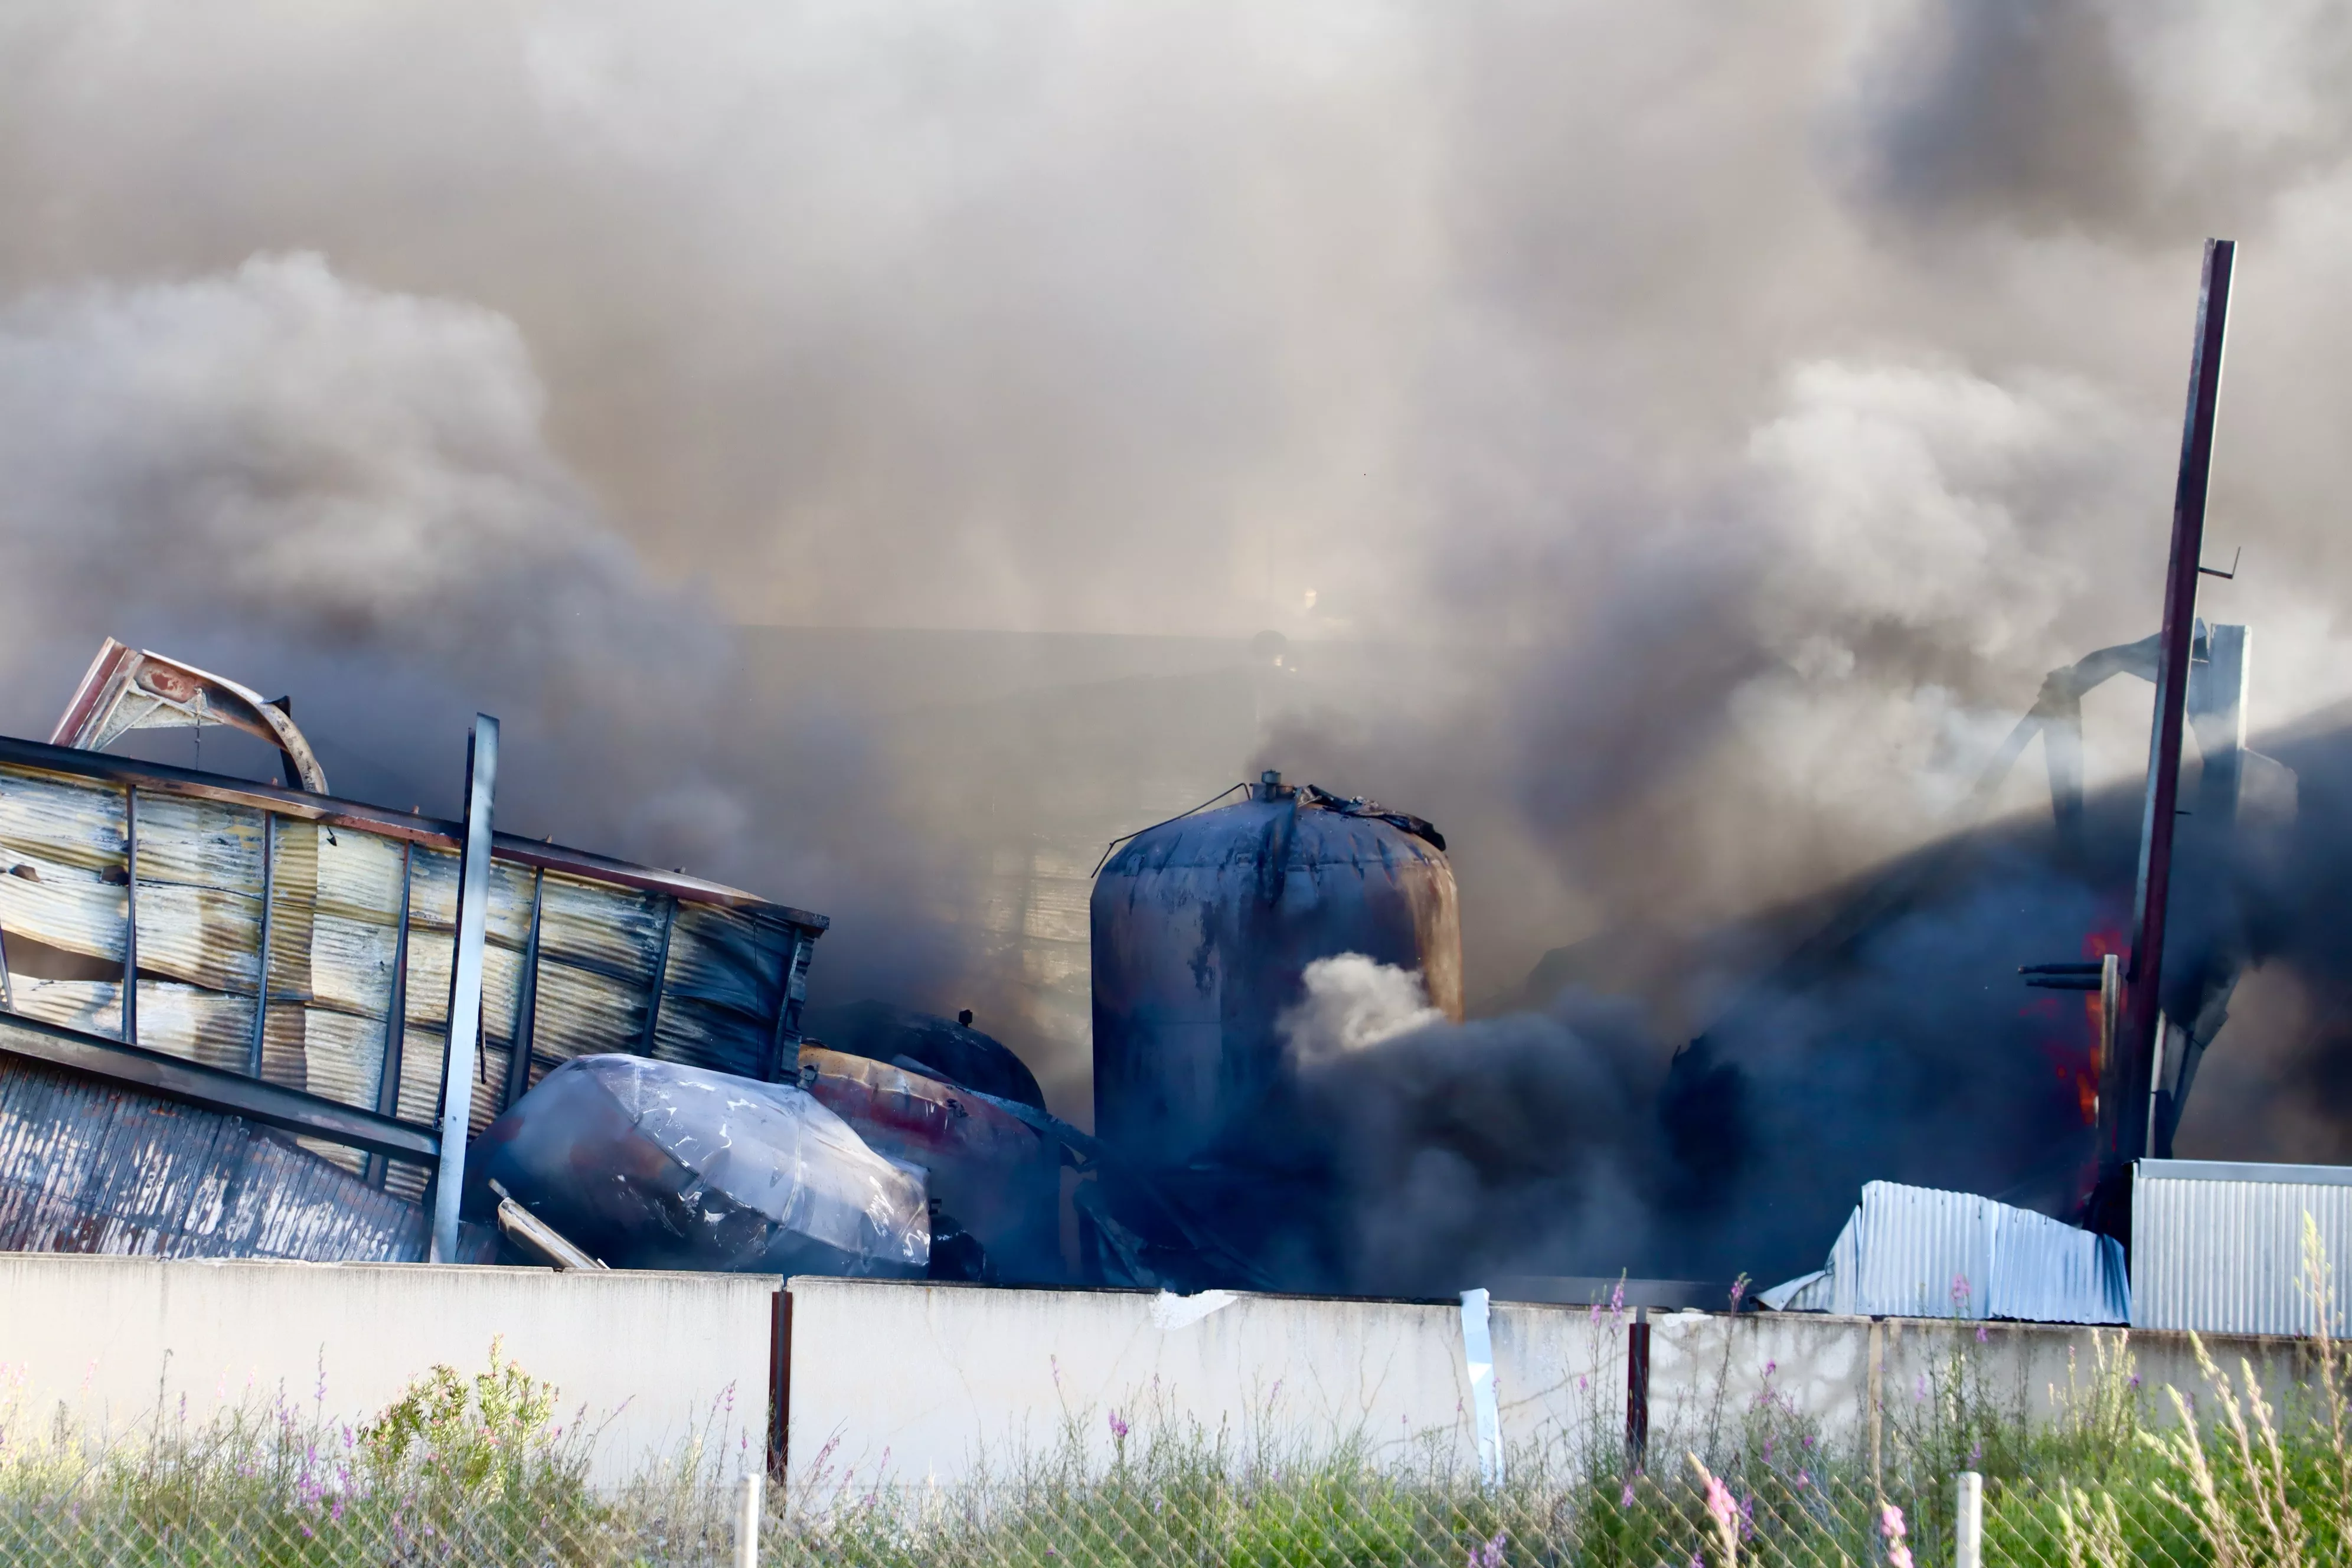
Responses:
[654,1358]
[907,1382]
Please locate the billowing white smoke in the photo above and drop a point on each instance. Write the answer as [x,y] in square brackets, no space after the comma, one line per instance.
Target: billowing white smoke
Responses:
[1351,1002]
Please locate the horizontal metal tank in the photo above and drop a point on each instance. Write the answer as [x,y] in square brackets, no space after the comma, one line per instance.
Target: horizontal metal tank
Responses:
[1201,928]
[654,1165]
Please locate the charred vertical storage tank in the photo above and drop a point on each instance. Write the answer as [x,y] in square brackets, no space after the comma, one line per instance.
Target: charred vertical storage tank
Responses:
[1201,928]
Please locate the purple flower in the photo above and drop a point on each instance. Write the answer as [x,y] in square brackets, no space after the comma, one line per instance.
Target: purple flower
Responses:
[1617,1297]
[1981,1335]
[1627,1499]
[1489,1555]
[1119,1428]
[1890,1522]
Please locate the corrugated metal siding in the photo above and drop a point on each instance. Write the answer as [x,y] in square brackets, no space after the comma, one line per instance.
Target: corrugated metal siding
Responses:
[2219,1247]
[85,1167]
[333,893]
[1917,1252]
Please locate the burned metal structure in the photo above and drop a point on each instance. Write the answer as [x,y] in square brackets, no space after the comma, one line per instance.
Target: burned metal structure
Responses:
[188,959]
[1906,991]
[1203,928]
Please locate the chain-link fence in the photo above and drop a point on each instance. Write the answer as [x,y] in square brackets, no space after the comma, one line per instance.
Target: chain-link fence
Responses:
[478,1470]
[1320,1521]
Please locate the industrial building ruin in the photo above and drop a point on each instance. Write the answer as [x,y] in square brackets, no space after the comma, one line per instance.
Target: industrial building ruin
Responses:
[192,958]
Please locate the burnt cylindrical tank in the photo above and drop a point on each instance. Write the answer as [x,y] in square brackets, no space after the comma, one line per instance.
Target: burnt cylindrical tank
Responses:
[1201,928]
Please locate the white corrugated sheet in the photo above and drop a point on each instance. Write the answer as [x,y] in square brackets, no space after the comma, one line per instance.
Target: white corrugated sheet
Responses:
[2218,1247]
[1916,1252]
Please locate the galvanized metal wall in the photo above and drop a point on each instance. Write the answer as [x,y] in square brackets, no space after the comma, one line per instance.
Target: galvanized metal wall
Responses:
[2218,1247]
[85,1167]
[189,886]
[1920,1252]
[651,1360]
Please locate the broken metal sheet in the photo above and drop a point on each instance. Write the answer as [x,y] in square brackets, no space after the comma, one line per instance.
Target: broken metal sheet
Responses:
[650,1164]
[128,688]
[1917,1252]
[88,1167]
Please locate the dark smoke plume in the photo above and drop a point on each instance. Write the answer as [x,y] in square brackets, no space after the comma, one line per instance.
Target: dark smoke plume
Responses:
[1676,440]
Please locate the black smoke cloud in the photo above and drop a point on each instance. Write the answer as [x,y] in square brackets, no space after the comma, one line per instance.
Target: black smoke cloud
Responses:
[1721,420]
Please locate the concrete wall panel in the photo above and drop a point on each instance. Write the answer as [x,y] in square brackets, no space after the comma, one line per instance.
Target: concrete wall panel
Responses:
[654,1359]
[907,1381]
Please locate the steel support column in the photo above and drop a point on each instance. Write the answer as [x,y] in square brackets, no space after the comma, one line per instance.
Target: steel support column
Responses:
[465,985]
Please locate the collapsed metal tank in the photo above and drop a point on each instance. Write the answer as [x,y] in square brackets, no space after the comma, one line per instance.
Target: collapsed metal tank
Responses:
[1201,928]
[655,1165]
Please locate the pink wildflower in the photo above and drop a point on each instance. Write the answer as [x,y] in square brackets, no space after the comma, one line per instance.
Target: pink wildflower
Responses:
[1719,1505]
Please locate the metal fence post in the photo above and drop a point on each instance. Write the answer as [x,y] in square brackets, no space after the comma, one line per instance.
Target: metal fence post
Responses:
[465,985]
[747,1522]
[1967,1525]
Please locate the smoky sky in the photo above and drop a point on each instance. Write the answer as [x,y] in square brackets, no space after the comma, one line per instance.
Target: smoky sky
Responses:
[1732,412]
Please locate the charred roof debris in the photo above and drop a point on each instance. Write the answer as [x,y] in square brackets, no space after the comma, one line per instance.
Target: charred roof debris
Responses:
[240,1018]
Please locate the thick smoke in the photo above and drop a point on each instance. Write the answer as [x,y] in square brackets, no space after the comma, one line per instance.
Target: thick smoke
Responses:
[1714,424]
[1459,1153]
[285,476]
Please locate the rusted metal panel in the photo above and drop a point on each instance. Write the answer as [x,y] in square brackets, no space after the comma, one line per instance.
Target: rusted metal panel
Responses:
[128,688]
[84,768]
[153,1073]
[728,958]
[342,1056]
[85,1167]
[583,1014]
[94,1006]
[200,1024]
[62,863]
[607,930]
[717,1037]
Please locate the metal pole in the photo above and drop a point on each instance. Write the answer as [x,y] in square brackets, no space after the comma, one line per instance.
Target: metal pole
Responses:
[395,1014]
[261,987]
[526,1005]
[747,1522]
[130,914]
[1967,1527]
[466,984]
[661,977]
[2162,799]
[1637,1391]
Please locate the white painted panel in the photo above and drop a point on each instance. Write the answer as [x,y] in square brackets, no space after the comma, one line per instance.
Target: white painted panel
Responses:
[655,1358]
